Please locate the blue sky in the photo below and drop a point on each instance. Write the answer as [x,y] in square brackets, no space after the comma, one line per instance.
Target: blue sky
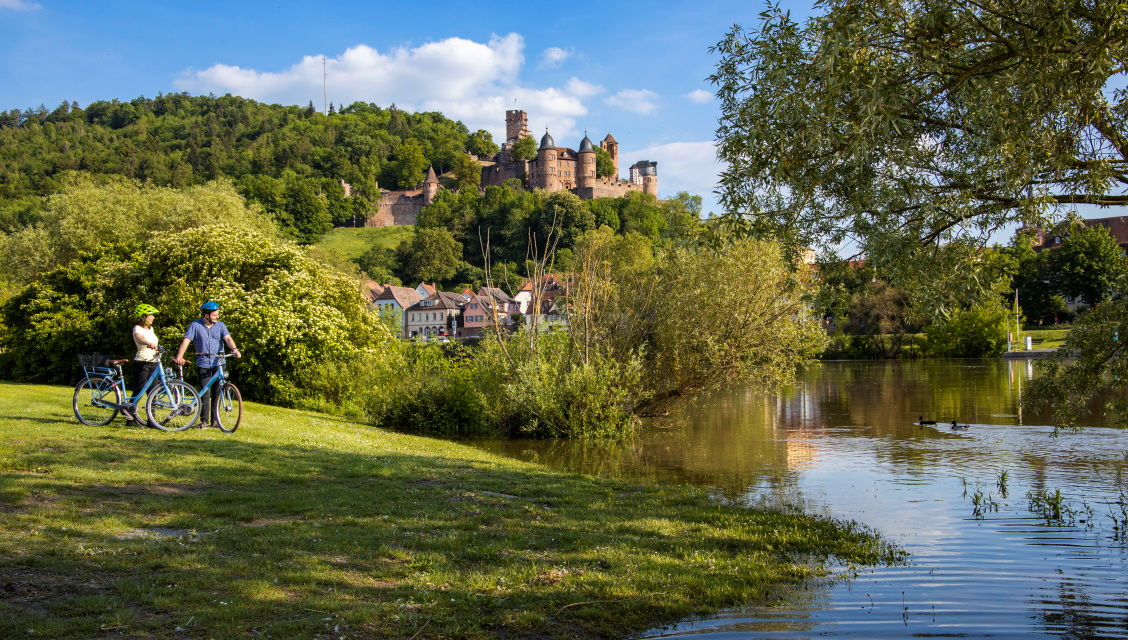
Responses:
[636,70]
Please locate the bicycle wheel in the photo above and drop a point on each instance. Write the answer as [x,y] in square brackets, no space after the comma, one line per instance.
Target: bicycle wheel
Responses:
[174,406]
[229,411]
[90,397]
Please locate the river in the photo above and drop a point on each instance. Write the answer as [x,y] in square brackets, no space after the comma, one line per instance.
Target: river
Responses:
[844,443]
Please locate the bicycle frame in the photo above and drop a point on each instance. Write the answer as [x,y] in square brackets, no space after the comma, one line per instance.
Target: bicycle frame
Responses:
[220,375]
[131,402]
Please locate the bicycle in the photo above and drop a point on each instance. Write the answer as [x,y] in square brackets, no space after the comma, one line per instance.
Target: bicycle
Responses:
[227,414]
[171,405]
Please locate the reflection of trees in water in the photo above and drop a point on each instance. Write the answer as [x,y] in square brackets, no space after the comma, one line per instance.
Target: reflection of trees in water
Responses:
[1071,613]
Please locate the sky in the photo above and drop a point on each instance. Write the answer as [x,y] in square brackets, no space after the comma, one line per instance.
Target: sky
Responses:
[635,70]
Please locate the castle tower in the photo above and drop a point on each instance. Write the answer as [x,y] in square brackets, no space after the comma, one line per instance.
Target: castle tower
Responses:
[645,172]
[516,125]
[611,146]
[585,163]
[430,186]
[548,176]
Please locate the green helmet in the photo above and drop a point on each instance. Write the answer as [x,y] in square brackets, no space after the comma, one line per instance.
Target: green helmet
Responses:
[146,309]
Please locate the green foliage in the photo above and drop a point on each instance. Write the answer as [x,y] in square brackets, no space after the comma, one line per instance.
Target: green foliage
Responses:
[604,165]
[973,333]
[432,255]
[108,215]
[407,170]
[903,126]
[468,174]
[288,313]
[380,263]
[1089,265]
[1090,363]
[481,144]
[177,140]
[525,149]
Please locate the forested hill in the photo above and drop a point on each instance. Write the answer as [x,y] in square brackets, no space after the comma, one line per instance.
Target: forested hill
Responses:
[289,159]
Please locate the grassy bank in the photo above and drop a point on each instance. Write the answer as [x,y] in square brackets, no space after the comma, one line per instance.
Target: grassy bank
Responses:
[304,525]
[353,242]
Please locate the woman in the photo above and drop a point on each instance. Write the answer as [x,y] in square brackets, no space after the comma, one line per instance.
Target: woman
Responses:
[147,359]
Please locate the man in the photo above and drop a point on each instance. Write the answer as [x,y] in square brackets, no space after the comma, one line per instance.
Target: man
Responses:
[207,335]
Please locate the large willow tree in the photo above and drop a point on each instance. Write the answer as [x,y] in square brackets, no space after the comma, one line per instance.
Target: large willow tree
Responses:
[928,120]
[915,128]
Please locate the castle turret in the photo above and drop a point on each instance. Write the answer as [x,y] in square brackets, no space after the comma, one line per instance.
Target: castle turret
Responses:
[548,177]
[430,186]
[611,146]
[585,163]
[645,173]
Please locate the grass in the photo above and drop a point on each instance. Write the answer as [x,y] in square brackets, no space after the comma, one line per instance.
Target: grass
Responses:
[1050,338]
[352,242]
[304,525]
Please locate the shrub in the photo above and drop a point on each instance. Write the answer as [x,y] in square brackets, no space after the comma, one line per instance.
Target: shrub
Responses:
[973,333]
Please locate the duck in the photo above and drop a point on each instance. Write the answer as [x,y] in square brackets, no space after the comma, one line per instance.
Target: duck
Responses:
[960,427]
[922,422]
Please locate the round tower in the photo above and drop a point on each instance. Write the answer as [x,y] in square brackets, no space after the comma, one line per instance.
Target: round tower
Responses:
[548,175]
[585,163]
[430,186]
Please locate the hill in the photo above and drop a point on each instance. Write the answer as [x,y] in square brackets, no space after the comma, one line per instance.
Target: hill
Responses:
[288,159]
[304,525]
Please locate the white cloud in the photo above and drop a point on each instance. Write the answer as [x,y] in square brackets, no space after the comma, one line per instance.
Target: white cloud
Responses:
[583,89]
[465,80]
[19,5]
[700,96]
[553,56]
[682,166]
[636,100]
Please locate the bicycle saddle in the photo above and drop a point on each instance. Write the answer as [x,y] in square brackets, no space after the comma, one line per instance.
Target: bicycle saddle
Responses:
[114,363]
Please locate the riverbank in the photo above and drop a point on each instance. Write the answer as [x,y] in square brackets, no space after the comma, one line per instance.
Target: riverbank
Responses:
[305,525]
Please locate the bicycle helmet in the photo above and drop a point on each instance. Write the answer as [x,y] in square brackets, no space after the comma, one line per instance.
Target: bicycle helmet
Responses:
[145,309]
[209,306]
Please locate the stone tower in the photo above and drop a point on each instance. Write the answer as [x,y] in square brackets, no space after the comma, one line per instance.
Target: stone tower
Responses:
[645,172]
[430,186]
[516,125]
[585,163]
[611,146]
[547,175]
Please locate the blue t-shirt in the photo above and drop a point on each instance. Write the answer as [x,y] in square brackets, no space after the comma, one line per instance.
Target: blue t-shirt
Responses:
[205,340]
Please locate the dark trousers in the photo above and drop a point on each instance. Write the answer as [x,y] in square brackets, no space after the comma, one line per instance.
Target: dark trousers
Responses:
[141,373]
[209,401]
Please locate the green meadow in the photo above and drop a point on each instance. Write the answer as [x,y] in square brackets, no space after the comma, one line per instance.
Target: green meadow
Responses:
[305,525]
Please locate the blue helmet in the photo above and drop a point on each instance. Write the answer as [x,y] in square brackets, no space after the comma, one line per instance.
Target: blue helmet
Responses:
[209,306]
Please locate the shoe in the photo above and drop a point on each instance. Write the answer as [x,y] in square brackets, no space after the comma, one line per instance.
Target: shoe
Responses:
[203,425]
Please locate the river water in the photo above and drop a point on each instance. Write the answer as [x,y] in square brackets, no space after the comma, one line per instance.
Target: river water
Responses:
[844,443]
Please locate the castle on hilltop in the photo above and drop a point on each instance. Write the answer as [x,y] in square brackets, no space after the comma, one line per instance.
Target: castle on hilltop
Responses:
[564,169]
[554,169]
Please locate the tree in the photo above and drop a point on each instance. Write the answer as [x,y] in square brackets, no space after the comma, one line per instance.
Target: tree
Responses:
[891,121]
[1032,279]
[409,164]
[481,144]
[380,263]
[432,255]
[1088,265]
[525,149]
[468,174]
[604,165]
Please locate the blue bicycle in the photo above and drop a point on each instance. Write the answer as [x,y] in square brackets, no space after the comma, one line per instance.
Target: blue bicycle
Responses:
[227,411]
[172,405]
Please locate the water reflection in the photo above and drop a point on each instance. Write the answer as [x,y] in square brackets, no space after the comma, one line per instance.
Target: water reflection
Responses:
[844,442]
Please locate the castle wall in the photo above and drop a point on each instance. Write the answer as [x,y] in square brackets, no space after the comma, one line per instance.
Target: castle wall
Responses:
[606,188]
[496,174]
[396,208]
